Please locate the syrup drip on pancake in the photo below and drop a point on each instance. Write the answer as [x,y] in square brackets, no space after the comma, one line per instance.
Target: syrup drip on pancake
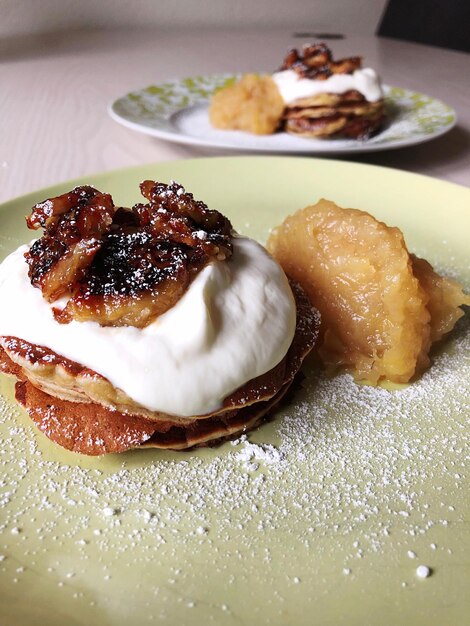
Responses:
[121,266]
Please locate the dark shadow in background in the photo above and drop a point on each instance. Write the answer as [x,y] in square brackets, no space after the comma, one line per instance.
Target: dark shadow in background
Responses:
[442,23]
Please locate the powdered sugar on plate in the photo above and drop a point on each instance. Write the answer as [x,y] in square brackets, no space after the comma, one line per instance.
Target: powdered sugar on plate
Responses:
[344,477]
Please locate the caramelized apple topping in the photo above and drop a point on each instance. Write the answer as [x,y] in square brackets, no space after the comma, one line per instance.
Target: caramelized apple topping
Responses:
[120,266]
[74,225]
[316,62]
[174,213]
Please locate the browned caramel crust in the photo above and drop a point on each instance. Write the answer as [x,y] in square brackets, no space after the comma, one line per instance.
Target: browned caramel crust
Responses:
[74,224]
[123,266]
[316,62]
[86,428]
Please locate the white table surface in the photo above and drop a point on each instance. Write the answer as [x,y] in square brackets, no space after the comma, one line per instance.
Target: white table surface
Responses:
[54,91]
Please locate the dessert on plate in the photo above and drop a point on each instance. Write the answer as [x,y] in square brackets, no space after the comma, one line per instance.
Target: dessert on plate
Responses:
[151,326]
[312,95]
[327,98]
[381,307]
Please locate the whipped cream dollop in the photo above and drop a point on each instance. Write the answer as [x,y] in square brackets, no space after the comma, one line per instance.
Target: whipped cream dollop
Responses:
[236,321]
[292,86]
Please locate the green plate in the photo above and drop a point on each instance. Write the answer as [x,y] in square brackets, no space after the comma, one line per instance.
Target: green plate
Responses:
[320,517]
[178,111]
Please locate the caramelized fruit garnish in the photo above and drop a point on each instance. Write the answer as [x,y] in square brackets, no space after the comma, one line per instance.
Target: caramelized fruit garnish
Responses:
[120,266]
[381,308]
[316,62]
[73,224]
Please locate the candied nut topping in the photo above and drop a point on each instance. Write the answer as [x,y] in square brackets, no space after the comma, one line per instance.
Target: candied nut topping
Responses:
[121,266]
[316,62]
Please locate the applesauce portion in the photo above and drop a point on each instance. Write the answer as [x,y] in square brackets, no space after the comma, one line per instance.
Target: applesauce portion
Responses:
[380,315]
[253,104]
[445,298]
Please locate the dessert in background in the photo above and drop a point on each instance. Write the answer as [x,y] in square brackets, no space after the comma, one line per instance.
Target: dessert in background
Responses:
[312,95]
[154,326]
[326,98]
[381,308]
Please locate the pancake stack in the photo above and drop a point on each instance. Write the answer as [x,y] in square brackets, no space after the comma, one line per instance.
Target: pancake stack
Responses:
[120,267]
[326,114]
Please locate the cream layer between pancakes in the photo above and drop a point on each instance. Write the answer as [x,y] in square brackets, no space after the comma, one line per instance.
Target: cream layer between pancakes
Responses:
[236,321]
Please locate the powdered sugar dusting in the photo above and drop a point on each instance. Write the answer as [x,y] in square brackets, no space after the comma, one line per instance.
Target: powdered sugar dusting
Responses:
[347,476]
[250,451]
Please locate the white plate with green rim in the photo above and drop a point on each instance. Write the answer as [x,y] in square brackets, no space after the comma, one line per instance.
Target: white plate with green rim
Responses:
[322,516]
[177,111]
